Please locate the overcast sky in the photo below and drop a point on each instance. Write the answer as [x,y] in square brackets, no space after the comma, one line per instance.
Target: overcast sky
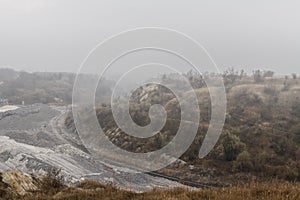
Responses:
[56,35]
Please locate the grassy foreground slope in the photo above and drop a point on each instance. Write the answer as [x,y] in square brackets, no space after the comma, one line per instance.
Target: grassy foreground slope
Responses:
[93,190]
[17,185]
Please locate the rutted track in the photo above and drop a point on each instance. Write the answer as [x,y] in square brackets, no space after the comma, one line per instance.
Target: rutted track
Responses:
[33,138]
[58,127]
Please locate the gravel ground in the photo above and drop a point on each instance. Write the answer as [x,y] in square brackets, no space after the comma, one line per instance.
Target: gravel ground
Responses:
[33,139]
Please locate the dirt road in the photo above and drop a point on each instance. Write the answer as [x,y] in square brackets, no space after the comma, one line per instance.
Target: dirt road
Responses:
[33,139]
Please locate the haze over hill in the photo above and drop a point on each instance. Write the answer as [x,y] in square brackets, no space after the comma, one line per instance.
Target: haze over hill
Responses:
[143,100]
[260,138]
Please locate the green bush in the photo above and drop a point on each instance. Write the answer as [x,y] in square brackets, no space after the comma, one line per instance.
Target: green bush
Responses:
[232,146]
[243,162]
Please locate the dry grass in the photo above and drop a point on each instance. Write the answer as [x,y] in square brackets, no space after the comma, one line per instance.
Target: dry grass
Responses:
[94,190]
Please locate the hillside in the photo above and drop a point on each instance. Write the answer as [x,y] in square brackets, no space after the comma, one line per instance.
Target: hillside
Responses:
[260,140]
[40,87]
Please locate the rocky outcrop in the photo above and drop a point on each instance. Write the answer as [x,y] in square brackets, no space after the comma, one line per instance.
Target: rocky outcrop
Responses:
[17,183]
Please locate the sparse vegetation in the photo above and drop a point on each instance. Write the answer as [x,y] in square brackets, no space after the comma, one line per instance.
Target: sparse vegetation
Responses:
[260,136]
[52,182]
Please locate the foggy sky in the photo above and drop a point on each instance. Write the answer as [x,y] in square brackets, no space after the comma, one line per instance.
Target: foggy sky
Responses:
[56,35]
